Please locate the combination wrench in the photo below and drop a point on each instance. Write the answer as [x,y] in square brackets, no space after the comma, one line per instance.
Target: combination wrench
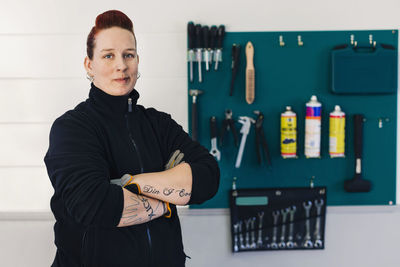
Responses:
[317,231]
[290,243]
[307,239]
[284,212]
[235,237]
[275,215]
[260,224]
[247,222]
[253,233]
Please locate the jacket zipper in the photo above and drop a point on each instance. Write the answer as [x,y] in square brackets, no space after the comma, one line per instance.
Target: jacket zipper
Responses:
[83,247]
[141,169]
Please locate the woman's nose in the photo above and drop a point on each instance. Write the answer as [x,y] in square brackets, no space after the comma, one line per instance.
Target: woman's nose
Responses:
[121,64]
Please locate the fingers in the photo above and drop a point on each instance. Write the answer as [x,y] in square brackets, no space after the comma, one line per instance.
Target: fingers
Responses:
[171,161]
[122,181]
[175,159]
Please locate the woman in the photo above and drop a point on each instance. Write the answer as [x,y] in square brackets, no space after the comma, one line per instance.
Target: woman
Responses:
[118,169]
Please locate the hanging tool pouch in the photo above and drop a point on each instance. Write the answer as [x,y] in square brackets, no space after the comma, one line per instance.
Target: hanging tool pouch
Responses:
[278,218]
[364,70]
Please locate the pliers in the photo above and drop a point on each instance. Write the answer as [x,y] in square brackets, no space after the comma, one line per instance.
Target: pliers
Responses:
[229,124]
[261,142]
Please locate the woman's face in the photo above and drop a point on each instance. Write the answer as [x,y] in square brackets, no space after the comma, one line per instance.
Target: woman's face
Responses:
[114,66]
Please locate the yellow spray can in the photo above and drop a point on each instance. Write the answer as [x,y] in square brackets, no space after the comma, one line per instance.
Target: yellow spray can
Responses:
[288,134]
[337,121]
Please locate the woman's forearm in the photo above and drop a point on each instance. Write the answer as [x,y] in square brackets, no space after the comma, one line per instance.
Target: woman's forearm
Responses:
[140,209]
[173,185]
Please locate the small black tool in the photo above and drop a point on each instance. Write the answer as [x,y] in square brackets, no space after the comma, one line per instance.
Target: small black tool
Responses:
[228,124]
[199,48]
[235,65]
[191,42]
[357,184]
[207,49]
[261,142]
[220,39]
[213,40]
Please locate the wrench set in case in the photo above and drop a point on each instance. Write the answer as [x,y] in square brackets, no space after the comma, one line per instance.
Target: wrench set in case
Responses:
[278,218]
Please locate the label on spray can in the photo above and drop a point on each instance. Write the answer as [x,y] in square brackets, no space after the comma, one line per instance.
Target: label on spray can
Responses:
[312,144]
[337,121]
[288,134]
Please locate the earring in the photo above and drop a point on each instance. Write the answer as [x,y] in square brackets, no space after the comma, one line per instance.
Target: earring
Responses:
[138,75]
[90,78]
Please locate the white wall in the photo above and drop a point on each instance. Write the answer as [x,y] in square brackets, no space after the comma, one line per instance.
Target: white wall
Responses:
[42,75]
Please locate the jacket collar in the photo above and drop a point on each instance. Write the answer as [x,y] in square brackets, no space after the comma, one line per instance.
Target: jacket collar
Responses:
[109,104]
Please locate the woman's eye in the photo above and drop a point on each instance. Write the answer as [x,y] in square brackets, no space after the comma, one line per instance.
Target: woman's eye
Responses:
[108,56]
[130,55]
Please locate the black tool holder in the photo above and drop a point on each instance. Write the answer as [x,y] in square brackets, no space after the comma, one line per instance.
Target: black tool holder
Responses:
[278,218]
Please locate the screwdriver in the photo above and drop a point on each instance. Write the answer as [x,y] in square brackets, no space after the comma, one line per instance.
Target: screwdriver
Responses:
[213,38]
[220,38]
[191,37]
[206,39]
[199,45]
[235,65]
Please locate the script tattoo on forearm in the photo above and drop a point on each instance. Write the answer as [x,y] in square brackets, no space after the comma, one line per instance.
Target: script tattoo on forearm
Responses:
[181,192]
[168,191]
[147,206]
[150,189]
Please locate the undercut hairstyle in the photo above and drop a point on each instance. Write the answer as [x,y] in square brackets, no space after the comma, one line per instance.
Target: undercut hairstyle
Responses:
[106,20]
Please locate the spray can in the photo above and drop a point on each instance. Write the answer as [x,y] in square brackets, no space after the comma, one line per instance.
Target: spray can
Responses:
[312,144]
[337,121]
[288,134]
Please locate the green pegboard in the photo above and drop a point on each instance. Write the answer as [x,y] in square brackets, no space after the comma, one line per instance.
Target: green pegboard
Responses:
[288,76]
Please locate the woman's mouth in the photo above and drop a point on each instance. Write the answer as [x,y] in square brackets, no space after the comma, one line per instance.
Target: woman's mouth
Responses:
[122,81]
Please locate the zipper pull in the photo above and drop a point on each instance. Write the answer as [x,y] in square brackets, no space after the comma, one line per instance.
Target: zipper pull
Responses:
[129,104]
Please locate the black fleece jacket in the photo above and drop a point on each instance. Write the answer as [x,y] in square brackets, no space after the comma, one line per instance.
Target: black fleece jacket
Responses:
[104,138]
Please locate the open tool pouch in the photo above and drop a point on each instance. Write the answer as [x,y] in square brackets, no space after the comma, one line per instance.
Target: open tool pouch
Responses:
[364,70]
[278,218]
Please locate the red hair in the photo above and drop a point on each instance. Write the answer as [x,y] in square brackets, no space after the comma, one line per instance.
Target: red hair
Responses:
[108,19]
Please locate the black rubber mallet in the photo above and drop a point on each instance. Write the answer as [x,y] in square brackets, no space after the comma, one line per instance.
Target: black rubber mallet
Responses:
[357,184]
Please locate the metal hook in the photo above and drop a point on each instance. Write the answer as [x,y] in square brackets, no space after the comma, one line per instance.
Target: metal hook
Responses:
[299,41]
[281,42]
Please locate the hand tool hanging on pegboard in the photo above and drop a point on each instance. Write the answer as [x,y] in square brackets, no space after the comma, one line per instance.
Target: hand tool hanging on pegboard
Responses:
[250,74]
[358,184]
[245,130]
[213,136]
[228,125]
[213,40]
[220,39]
[191,44]
[261,142]
[235,65]
[199,48]
[206,45]
[194,93]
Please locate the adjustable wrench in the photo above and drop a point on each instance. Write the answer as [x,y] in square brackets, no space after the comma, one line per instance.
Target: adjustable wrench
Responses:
[275,214]
[284,212]
[290,243]
[317,231]
[307,239]
[246,121]
[213,133]
[260,224]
